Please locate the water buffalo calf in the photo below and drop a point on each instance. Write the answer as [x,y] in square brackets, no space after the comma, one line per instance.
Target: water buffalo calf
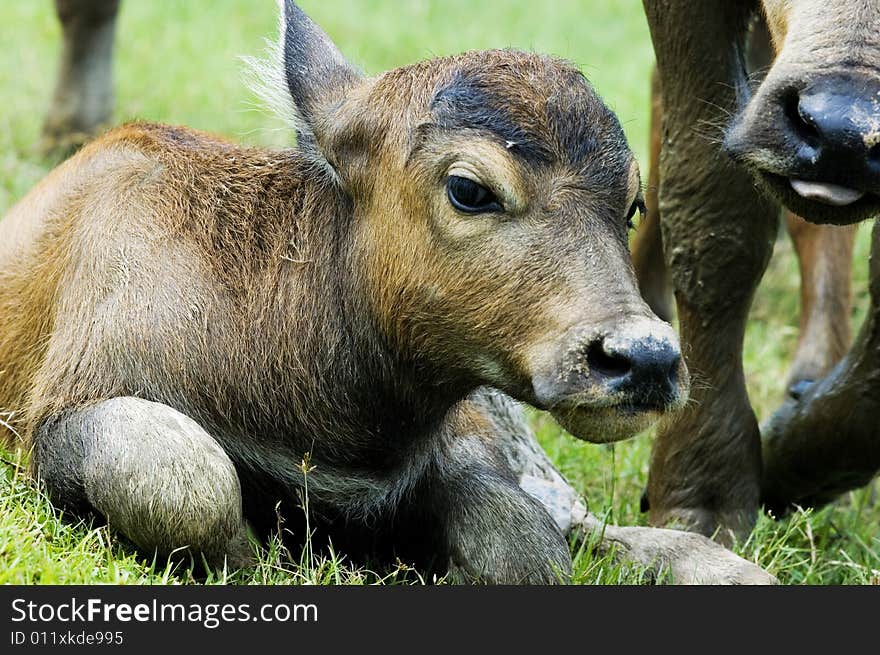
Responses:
[194,331]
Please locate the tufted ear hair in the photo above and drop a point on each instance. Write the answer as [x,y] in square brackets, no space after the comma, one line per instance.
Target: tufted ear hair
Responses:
[318,76]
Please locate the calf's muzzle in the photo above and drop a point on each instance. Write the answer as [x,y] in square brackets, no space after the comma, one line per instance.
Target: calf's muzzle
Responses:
[646,370]
[608,384]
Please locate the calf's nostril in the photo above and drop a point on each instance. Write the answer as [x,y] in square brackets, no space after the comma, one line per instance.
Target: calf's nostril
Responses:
[611,365]
[655,366]
[672,373]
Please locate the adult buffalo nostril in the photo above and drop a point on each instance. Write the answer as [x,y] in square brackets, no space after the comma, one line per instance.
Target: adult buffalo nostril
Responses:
[838,118]
[607,364]
[830,154]
[799,118]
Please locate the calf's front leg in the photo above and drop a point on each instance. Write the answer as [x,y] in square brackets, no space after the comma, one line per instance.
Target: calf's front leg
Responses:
[151,471]
[689,558]
[495,532]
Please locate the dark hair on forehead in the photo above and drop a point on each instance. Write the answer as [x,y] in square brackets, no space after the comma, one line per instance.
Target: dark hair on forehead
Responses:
[542,108]
[470,102]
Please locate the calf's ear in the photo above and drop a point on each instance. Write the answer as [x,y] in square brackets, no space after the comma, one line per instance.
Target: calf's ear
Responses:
[318,77]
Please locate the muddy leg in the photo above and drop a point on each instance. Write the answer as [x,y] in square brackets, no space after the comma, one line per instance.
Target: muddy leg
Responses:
[825,259]
[153,473]
[83,99]
[828,441]
[647,246]
[717,236]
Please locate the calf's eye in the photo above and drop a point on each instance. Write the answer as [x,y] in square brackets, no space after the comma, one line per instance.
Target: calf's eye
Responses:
[470,197]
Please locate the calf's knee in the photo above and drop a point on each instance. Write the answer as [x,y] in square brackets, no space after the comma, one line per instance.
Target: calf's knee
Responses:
[151,471]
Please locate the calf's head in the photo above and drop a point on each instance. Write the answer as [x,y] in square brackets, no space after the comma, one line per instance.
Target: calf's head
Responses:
[811,132]
[490,195]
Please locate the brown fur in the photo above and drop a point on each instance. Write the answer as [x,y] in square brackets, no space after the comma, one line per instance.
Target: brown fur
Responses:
[145,212]
[777,13]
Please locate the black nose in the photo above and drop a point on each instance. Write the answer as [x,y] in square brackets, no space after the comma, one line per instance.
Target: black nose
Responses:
[646,369]
[836,121]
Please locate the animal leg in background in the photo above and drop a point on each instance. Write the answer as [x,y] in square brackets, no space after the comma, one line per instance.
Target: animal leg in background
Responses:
[647,246]
[718,235]
[825,259]
[83,99]
[827,442]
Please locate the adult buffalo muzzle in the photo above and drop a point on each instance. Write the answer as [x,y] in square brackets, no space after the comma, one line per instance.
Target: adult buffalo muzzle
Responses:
[838,120]
[815,143]
[607,385]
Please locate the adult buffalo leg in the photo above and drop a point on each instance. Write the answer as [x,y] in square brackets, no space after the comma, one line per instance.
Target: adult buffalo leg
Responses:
[647,246]
[83,99]
[825,258]
[152,472]
[828,441]
[717,236]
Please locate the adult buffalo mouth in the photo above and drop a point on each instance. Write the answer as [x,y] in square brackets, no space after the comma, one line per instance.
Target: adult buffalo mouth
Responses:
[822,202]
[829,194]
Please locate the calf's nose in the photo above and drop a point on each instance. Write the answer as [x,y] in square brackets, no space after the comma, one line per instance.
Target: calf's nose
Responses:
[635,364]
[645,369]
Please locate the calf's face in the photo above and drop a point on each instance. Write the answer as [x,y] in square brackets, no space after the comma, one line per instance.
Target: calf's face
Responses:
[811,132]
[492,193]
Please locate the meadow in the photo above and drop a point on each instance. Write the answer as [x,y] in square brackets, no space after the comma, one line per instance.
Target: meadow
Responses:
[179,61]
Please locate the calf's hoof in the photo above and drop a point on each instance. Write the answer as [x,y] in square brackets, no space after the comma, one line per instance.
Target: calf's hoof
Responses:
[701,561]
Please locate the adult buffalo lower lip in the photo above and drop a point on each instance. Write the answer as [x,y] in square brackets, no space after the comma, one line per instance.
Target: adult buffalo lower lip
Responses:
[815,210]
[830,194]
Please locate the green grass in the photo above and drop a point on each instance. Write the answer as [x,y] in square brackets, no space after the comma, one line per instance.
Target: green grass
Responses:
[178,62]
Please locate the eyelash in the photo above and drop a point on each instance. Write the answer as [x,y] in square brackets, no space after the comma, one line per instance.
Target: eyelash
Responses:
[470,197]
[638,206]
